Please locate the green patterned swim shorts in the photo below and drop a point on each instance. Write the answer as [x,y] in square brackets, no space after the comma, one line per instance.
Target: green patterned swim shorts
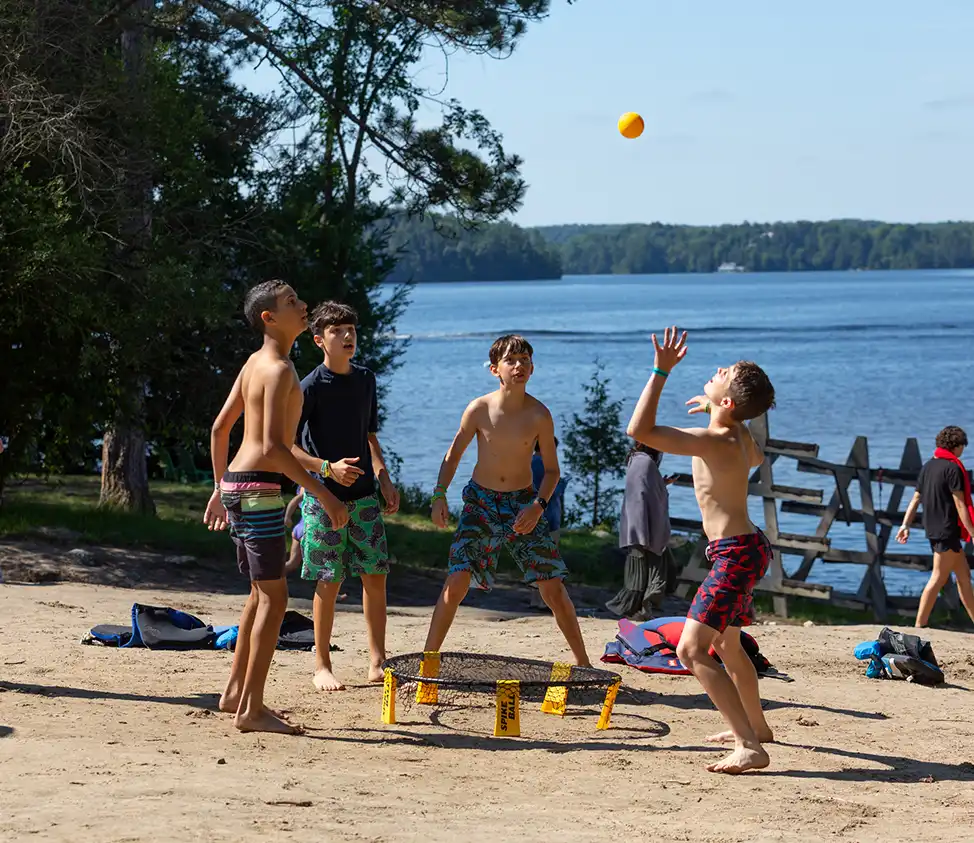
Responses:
[360,547]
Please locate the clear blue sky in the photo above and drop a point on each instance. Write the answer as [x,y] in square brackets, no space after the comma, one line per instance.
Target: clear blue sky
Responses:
[755,110]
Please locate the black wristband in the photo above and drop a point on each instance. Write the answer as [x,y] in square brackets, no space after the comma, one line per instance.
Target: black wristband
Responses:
[543,502]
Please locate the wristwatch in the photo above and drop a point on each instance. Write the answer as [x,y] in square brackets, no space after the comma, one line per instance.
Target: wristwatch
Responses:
[543,502]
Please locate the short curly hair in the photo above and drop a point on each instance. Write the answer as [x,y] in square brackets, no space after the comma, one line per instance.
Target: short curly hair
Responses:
[330,313]
[751,391]
[951,437]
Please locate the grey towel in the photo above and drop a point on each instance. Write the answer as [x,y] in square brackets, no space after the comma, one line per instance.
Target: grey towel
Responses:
[645,520]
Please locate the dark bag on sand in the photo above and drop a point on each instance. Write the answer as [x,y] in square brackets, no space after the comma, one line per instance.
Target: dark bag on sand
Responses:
[904,644]
[895,655]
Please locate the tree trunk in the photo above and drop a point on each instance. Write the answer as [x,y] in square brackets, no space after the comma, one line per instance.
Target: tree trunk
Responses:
[124,474]
[595,502]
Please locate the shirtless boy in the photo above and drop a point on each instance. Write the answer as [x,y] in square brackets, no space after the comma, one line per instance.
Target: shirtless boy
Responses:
[500,506]
[248,498]
[723,455]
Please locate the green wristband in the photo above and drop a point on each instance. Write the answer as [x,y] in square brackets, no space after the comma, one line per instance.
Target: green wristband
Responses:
[658,371]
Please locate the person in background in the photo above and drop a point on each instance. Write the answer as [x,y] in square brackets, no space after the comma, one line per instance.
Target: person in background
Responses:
[644,533]
[554,512]
[944,488]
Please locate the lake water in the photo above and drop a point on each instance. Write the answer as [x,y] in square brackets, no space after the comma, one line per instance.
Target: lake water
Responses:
[881,354]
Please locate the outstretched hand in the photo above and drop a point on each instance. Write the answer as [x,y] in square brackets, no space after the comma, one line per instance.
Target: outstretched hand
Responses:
[672,351]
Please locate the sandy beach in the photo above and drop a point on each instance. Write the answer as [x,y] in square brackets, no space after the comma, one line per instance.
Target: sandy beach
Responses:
[110,745]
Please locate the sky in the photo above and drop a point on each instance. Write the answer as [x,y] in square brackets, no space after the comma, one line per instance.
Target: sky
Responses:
[755,110]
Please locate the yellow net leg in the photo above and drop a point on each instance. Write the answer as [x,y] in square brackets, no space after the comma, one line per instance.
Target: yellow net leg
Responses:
[556,697]
[610,700]
[389,698]
[429,666]
[507,722]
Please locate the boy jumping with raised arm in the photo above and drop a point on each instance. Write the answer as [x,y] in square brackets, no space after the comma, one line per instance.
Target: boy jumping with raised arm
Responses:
[338,440]
[500,506]
[723,455]
[248,498]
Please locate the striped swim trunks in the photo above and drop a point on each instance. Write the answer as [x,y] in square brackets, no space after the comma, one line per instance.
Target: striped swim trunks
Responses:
[255,511]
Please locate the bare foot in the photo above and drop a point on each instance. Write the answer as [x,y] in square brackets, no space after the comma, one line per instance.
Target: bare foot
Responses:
[266,722]
[325,680]
[228,707]
[741,759]
[728,737]
[376,673]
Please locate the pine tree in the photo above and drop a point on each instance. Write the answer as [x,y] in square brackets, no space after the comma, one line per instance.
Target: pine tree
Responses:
[596,452]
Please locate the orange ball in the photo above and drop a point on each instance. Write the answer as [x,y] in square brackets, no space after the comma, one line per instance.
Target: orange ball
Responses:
[631,125]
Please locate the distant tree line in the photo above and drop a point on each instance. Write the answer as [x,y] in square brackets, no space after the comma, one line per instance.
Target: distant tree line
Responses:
[438,248]
[505,252]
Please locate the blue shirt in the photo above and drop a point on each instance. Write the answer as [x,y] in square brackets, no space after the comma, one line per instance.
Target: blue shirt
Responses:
[555,506]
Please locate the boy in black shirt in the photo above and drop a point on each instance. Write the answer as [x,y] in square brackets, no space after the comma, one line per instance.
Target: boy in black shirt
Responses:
[944,487]
[337,440]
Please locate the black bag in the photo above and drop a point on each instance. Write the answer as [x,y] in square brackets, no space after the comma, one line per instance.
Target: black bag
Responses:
[902,644]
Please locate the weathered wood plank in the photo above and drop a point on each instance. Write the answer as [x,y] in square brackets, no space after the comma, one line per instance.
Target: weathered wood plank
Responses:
[885,517]
[784,448]
[796,541]
[889,476]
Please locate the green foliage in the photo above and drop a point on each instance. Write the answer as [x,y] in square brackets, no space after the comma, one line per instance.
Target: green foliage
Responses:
[143,191]
[596,452]
[438,248]
[754,247]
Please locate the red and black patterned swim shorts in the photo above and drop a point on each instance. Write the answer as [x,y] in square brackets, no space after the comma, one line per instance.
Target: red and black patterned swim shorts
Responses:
[737,565]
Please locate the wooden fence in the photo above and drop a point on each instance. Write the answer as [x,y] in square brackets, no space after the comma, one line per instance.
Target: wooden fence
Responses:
[879,526]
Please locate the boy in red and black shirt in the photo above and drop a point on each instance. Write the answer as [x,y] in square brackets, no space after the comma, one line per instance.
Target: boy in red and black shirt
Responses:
[944,488]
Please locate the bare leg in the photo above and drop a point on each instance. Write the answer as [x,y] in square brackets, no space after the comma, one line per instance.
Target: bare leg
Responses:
[938,579]
[324,619]
[555,595]
[252,715]
[294,560]
[745,678]
[962,573]
[230,699]
[693,651]
[374,609]
[454,590]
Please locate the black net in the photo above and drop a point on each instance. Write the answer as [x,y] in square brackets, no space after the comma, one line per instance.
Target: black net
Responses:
[460,674]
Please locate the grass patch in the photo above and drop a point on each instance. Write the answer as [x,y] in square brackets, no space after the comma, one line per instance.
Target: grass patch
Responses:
[72,503]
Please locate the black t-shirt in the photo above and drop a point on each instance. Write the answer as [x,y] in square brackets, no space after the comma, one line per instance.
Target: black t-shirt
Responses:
[340,411]
[938,479]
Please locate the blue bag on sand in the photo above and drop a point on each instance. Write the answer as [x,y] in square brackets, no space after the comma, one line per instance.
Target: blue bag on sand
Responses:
[895,655]
[157,628]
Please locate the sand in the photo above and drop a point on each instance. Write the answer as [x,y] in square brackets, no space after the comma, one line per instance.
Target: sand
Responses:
[110,745]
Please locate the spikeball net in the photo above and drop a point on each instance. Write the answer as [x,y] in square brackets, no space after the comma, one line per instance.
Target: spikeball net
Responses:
[447,678]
